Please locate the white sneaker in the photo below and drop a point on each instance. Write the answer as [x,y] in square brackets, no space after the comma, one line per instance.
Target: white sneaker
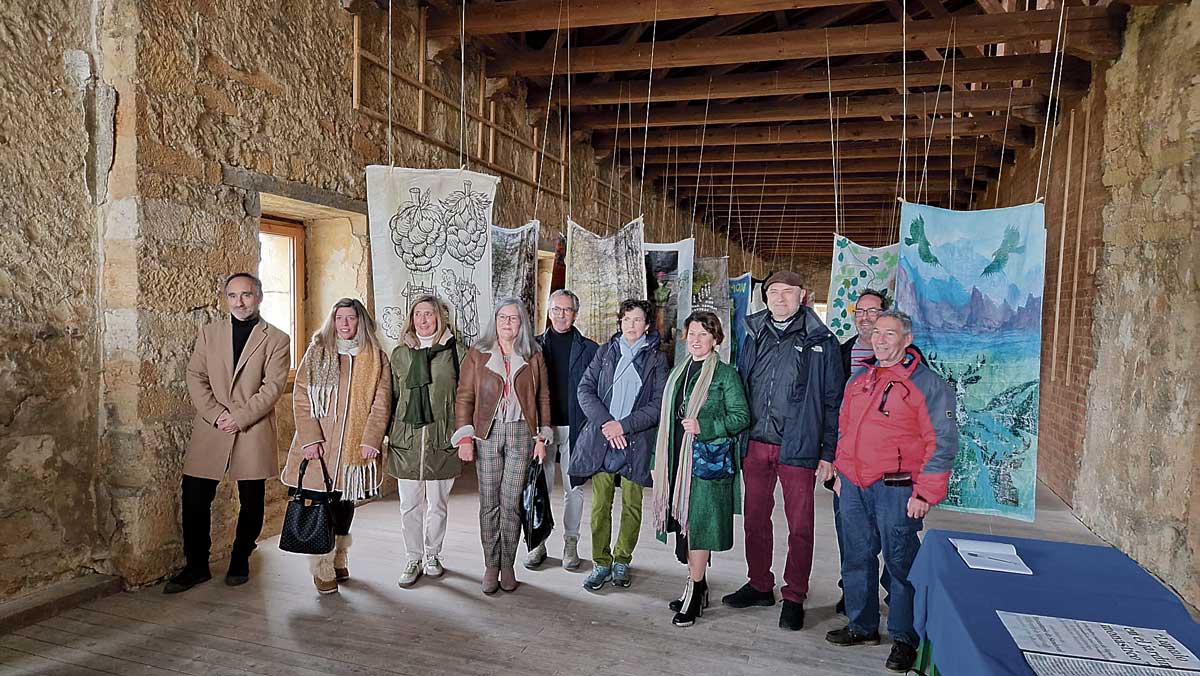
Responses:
[535,557]
[411,573]
[433,567]
[570,558]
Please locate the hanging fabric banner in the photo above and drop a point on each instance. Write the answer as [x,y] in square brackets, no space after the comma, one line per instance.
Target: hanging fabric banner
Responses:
[710,291]
[758,295]
[856,268]
[972,282]
[514,264]
[739,301]
[430,233]
[669,284]
[603,271]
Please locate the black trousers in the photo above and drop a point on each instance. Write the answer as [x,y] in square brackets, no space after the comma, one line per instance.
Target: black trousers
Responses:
[343,515]
[198,495]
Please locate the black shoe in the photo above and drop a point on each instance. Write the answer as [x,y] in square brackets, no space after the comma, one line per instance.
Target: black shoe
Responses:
[848,637]
[238,573]
[693,603]
[792,616]
[840,608]
[749,596]
[902,659]
[186,579]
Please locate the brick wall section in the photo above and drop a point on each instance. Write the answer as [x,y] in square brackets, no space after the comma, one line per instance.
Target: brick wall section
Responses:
[1073,241]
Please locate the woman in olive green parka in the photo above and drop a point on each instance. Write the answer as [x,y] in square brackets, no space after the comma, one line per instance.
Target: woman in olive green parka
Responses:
[420,455]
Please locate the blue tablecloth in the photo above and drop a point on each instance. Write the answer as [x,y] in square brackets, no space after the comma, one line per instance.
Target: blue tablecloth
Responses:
[955,606]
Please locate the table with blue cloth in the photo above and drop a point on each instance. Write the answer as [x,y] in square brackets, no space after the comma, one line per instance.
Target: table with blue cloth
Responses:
[955,606]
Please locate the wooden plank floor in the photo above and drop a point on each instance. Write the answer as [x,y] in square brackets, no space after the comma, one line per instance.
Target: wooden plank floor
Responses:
[278,625]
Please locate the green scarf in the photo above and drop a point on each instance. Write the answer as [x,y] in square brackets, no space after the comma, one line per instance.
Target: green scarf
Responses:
[419,411]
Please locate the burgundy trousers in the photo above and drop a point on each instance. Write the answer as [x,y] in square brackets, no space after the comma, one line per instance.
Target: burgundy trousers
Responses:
[760,470]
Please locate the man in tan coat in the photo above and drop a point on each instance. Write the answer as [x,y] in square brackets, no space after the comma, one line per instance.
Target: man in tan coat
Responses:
[237,372]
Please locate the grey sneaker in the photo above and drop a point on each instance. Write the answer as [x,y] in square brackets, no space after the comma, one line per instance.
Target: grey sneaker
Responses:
[570,559]
[536,556]
[596,579]
[620,574]
[411,573]
[433,567]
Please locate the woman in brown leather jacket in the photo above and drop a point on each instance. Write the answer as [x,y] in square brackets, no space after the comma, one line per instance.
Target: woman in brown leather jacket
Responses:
[502,415]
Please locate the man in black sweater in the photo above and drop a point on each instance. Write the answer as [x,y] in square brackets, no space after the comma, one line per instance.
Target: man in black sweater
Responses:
[568,353]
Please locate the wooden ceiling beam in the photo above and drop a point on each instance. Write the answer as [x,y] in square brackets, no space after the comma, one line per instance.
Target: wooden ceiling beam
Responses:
[753,192]
[718,185]
[794,81]
[1095,31]
[1018,135]
[816,109]
[816,151]
[520,16]
[755,170]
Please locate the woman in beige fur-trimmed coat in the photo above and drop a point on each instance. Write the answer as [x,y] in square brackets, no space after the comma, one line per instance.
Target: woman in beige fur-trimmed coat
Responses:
[342,401]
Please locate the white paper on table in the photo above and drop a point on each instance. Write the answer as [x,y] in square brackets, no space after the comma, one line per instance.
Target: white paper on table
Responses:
[998,556]
[1098,640]
[1058,665]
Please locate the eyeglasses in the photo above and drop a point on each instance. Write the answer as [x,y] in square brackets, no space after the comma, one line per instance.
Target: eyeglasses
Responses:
[508,319]
[561,311]
[630,319]
[869,312]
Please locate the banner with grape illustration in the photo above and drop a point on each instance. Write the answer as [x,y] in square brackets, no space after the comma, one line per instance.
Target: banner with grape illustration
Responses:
[431,233]
[603,271]
[972,281]
[514,264]
[856,267]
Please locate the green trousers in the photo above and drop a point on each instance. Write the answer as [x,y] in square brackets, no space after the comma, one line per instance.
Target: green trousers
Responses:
[603,487]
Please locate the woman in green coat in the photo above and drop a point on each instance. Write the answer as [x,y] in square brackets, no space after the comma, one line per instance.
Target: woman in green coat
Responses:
[696,465]
[420,455]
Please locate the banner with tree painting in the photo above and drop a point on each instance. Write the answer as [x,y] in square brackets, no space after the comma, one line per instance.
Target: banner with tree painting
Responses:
[972,282]
[430,233]
[710,291]
[603,271]
[855,268]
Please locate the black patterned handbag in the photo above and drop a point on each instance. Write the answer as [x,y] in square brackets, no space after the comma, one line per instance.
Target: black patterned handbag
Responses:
[712,461]
[308,522]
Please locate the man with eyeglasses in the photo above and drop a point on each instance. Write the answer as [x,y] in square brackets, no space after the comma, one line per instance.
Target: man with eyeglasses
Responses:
[897,441]
[568,353]
[857,348]
[855,353]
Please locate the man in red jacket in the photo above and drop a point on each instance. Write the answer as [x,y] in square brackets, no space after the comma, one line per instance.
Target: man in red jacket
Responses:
[897,440]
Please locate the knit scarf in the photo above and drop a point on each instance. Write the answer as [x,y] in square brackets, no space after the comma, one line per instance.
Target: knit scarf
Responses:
[324,373]
[419,410]
[662,500]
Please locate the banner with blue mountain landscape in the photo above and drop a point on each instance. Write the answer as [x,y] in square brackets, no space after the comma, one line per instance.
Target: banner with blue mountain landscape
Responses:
[972,281]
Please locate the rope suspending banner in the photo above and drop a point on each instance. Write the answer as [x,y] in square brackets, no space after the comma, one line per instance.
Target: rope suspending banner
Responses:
[649,88]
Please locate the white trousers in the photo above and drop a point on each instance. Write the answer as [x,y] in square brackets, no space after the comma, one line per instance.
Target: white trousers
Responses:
[572,497]
[423,516]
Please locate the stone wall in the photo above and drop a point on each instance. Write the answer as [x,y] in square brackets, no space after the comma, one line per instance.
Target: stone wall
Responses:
[1073,245]
[1139,478]
[55,519]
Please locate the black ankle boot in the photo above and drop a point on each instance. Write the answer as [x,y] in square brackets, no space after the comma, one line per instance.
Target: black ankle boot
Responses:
[695,599]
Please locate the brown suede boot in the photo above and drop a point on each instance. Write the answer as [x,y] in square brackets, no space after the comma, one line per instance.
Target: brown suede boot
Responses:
[491,580]
[508,579]
[324,578]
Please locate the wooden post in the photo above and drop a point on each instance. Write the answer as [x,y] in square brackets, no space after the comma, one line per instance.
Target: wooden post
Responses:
[482,100]
[1087,133]
[422,37]
[1062,242]
[491,132]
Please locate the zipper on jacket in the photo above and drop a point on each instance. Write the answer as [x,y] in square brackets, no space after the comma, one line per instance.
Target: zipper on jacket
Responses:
[421,471]
[345,416]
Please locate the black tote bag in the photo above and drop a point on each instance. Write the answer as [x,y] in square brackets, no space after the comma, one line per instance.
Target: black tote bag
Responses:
[537,522]
[308,522]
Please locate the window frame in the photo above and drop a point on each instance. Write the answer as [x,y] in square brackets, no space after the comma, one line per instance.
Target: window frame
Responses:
[294,230]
